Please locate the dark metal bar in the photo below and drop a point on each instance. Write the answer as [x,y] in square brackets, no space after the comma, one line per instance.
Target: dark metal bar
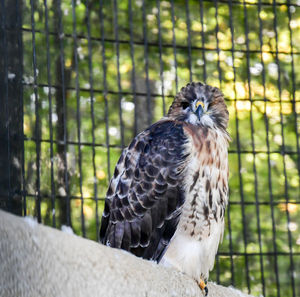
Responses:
[69,88]
[203,41]
[49,82]
[78,115]
[6,201]
[11,108]
[161,65]
[60,36]
[230,151]
[91,81]
[174,44]
[104,67]
[258,254]
[250,203]
[217,40]
[37,118]
[116,30]
[187,11]
[133,77]
[294,78]
[164,45]
[220,84]
[268,153]
[252,3]
[254,156]
[146,53]
[283,149]
[230,246]
[238,144]
[19,88]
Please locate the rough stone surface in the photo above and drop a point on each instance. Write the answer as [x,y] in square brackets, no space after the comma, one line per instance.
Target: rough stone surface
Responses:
[40,261]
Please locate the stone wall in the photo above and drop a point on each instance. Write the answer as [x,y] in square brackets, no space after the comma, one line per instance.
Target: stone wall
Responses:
[36,260]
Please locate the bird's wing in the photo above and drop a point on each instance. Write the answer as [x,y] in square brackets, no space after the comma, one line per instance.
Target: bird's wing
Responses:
[144,199]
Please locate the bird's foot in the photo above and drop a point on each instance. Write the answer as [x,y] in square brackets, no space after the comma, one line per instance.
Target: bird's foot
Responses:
[202,285]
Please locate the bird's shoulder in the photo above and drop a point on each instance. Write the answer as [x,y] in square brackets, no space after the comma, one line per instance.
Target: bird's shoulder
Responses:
[163,140]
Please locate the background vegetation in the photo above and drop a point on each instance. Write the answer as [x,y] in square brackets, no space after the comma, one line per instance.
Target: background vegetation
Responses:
[98,72]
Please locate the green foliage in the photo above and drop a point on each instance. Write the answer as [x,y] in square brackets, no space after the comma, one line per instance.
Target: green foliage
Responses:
[266,124]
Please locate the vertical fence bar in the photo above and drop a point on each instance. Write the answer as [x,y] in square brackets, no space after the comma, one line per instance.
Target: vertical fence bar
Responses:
[62,114]
[174,44]
[235,100]
[6,202]
[161,65]
[78,114]
[49,81]
[217,41]
[220,85]
[104,67]
[253,148]
[283,152]
[294,79]
[241,177]
[91,81]
[266,119]
[116,30]
[11,107]
[241,184]
[203,40]
[187,11]
[19,88]
[146,53]
[133,76]
[230,246]
[37,119]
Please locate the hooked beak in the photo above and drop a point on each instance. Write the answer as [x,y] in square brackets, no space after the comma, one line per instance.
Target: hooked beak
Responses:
[199,109]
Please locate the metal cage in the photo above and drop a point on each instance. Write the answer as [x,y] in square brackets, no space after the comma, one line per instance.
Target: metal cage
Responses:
[78,79]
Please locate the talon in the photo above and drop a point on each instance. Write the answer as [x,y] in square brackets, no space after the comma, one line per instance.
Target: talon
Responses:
[203,287]
[206,291]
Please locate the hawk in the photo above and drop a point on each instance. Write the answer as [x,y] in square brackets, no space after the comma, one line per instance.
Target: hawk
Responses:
[166,201]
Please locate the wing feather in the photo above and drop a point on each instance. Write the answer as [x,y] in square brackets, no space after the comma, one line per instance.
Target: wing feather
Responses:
[145,195]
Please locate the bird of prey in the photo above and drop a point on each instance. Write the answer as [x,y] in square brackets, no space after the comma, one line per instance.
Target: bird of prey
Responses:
[167,198]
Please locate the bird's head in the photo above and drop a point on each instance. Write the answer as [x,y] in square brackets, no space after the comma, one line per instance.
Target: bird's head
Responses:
[200,104]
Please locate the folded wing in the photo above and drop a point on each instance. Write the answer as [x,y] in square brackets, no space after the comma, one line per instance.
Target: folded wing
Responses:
[145,195]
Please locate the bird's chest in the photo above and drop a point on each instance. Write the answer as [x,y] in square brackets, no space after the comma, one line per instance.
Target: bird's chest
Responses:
[206,185]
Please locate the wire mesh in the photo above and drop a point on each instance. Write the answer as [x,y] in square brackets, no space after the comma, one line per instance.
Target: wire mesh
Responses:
[96,73]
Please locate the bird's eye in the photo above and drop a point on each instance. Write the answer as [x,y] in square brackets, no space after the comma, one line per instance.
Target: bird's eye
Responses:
[185,105]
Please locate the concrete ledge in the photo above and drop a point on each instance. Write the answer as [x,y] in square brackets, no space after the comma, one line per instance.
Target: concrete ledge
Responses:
[36,260]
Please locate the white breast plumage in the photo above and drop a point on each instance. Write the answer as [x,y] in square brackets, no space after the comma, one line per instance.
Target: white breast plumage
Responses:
[194,245]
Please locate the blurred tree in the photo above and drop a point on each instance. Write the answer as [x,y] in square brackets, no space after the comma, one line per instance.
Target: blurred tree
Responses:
[11,96]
